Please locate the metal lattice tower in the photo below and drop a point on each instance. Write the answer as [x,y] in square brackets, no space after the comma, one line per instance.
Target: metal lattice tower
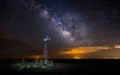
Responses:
[45,51]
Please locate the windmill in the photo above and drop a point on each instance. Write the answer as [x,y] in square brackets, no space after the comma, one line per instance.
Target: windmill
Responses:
[45,52]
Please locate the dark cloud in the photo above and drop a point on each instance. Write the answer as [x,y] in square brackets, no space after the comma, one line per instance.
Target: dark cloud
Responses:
[103,54]
[13,47]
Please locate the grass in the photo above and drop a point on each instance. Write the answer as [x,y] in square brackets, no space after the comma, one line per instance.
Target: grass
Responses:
[31,67]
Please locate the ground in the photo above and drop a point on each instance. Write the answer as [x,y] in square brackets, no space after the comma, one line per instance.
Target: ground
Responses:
[64,67]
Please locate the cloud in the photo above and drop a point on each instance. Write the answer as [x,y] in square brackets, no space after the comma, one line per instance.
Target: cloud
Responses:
[16,48]
[13,47]
[103,54]
[92,52]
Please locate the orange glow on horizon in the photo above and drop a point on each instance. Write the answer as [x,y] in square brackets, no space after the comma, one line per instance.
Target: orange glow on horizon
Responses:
[78,51]
[81,50]
[117,46]
[35,57]
[76,57]
[74,51]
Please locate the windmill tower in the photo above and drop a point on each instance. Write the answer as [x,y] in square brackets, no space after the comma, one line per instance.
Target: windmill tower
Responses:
[45,51]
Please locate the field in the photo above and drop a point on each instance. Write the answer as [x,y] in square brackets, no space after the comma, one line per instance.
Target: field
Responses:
[61,66]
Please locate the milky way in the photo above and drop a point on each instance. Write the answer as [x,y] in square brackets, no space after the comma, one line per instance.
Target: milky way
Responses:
[68,25]
[71,22]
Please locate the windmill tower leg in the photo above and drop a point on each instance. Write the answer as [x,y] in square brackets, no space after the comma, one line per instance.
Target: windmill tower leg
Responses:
[45,55]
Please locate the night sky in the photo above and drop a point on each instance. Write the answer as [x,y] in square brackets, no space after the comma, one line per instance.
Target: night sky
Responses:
[76,28]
